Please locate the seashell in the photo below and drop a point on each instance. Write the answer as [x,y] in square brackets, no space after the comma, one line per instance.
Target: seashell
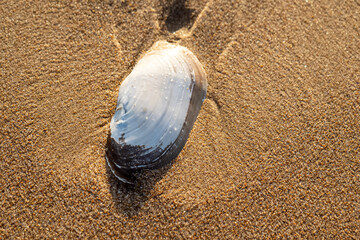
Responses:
[157,106]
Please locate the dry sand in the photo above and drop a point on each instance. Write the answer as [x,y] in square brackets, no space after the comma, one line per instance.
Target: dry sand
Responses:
[275,149]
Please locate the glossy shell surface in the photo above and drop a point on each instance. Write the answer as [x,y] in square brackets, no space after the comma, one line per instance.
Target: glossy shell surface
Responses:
[156,108]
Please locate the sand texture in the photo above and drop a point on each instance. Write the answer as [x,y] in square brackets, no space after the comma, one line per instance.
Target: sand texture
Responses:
[273,153]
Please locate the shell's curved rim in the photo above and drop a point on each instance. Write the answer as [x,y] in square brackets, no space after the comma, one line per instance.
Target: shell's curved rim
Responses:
[115,172]
[163,45]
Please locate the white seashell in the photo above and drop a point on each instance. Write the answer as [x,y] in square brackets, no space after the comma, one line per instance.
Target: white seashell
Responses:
[156,108]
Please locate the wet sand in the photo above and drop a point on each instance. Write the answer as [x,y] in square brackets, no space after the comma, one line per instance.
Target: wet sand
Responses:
[273,153]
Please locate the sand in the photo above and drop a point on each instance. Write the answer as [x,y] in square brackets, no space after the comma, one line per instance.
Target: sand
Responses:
[273,153]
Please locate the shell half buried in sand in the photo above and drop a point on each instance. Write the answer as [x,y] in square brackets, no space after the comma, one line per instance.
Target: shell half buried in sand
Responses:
[156,109]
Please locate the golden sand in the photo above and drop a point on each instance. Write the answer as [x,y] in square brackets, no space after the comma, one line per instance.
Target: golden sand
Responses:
[274,152]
